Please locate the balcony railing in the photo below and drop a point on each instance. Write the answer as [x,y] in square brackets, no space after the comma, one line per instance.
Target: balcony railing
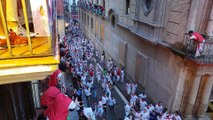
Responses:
[206,55]
[187,49]
[94,8]
[32,33]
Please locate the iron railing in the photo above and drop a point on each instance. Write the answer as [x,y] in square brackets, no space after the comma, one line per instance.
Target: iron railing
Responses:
[10,48]
[206,55]
[94,8]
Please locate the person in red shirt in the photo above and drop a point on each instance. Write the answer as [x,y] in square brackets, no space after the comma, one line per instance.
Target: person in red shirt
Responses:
[53,81]
[118,74]
[198,38]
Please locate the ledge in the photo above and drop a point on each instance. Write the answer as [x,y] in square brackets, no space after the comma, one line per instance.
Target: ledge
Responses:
[153,24]
[147,38]
[189,58]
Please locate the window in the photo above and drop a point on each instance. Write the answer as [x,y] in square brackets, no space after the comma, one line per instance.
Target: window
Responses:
[88,20]
[85,18]
[113,20]
[147,6]
[82,17]
[91,23]
[96,28]
[127,6]
[102,32]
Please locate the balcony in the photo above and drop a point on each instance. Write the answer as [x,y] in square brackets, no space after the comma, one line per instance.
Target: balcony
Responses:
[188,49]
[94,8]
[28,40]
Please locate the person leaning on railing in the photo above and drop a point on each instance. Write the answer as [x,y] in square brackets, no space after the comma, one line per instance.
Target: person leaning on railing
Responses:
[198,39]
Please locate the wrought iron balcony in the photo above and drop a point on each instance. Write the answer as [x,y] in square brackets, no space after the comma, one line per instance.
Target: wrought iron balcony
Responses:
[94,8]
[187,49]
[206,55]
[33,34]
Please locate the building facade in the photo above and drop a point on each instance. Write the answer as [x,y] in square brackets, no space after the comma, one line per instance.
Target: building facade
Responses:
[147,37]
[74,11]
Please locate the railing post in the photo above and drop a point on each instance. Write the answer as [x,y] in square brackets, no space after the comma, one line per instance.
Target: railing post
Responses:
[27,26]
[5,28]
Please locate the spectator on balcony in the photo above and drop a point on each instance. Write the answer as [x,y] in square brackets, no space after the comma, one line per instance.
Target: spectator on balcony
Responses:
[198,38]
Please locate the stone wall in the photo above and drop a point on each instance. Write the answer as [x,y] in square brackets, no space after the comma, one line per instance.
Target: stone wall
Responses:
[133,43]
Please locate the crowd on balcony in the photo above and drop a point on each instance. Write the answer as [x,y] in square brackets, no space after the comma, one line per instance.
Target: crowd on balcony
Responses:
[90,69]
[95,8]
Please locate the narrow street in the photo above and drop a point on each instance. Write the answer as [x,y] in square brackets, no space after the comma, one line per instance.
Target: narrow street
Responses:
[121,101]
[100,84]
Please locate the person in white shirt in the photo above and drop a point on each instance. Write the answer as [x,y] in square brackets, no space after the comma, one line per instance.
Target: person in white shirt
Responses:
[129,117]
[104,101]
[128,88]
[149,109]
[100,108]
[176,116]
[87,93]
[108,77]
[83,79]
[107,89]
[133,99]
[102,59]
[134,87]
[108,65]
[142,95]
[111,103]
[152,108]
[98,74]
[145,114]
[122,75]
[143,104]
[127,109]
[89,84]
[137,115]
[103,83]
[159,108]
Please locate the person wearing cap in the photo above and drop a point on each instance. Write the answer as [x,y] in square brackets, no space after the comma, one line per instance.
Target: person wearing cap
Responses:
[198,38]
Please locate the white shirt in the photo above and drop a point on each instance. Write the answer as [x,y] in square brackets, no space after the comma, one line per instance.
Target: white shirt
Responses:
[87,92]
[143,104]
[133,98]
[145,115]
[158,108]
[127,108]
[177,117]
[142,95]
[111,101]
[104,100]
[137,116]
[100,103]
